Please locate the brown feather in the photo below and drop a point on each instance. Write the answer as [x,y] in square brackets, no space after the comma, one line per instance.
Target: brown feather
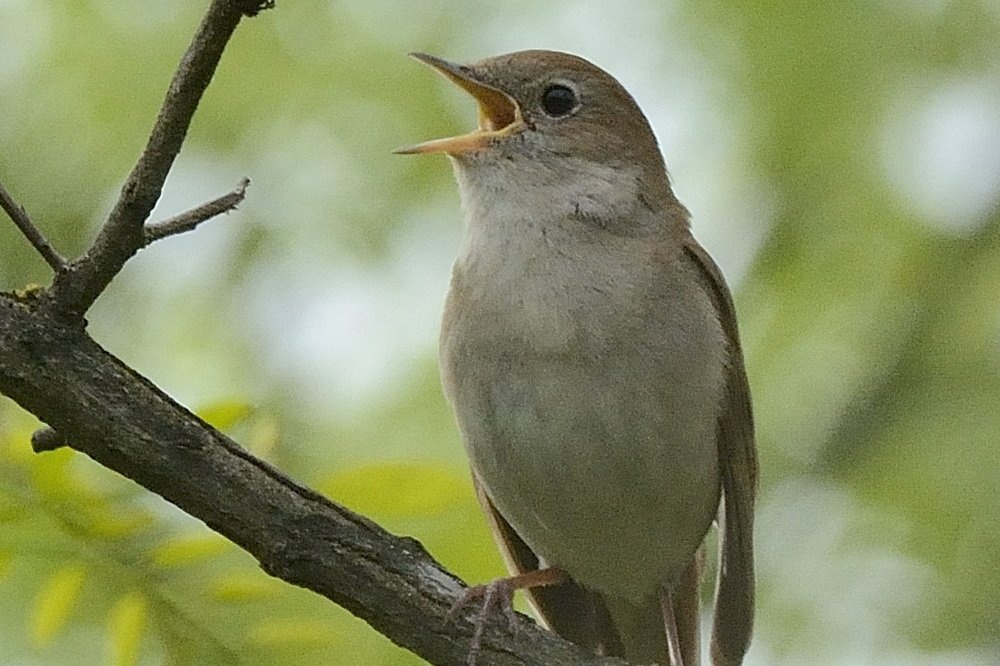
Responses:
[734,592]
[687,609]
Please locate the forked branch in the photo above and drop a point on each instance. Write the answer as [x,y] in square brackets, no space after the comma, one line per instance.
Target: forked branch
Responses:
[75,289]
[96,404]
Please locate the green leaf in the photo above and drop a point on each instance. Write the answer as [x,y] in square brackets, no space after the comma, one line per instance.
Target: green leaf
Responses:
[244,586]
[225,414]
[54,602]
[126,625]
[188,549]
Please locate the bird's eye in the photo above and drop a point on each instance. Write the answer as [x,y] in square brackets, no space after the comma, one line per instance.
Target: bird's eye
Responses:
[559,101]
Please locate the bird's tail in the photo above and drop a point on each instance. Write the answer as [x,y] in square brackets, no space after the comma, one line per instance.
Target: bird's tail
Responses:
[641,629]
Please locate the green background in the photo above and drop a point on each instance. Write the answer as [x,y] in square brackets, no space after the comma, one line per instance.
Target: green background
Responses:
[842,163]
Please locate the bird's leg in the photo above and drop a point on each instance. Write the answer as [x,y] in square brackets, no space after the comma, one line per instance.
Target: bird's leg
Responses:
[670,625]
[499,594]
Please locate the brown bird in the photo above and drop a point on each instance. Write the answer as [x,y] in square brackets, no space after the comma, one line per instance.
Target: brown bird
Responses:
[590,352]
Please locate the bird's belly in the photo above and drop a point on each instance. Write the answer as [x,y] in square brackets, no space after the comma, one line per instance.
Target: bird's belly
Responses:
[599,471]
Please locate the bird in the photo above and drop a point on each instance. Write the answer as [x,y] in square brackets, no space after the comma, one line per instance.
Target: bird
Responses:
[590,352]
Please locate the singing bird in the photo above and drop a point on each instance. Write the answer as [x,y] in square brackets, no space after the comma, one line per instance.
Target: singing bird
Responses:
[590,352]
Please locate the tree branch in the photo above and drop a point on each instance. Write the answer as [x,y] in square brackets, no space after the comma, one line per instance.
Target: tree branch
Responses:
[101,407]
[96,404]
[20,218]
[189,220]
[75,289]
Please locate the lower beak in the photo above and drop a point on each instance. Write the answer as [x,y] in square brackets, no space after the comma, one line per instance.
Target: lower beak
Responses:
[499,114]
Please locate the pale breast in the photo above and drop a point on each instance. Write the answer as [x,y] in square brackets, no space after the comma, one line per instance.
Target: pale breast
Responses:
[587,400]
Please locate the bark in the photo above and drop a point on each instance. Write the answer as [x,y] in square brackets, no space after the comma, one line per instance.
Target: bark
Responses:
[97,405]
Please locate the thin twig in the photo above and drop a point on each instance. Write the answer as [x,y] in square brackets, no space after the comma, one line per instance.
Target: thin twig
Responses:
[189,220]
[31,232]
[75,289]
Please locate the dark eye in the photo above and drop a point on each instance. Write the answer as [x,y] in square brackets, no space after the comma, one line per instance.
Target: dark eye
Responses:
[558,100]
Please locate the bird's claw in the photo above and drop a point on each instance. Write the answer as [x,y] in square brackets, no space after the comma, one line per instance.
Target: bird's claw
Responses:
[498,594]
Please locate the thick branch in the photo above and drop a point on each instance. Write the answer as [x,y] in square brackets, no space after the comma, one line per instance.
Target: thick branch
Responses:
[122,235]
[101,407]
[20,218]
[189,220]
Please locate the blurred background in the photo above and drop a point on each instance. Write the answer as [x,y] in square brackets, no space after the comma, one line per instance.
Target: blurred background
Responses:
[842,163]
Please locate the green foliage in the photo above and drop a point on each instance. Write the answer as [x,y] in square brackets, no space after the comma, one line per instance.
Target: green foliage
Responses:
[99,569]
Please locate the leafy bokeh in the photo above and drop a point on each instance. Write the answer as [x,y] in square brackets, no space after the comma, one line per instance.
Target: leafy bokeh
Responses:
[842,161]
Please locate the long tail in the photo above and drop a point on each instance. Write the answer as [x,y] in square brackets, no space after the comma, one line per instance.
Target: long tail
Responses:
[642,632]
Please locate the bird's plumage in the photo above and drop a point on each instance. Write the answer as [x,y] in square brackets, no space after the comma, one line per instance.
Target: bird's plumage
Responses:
[589,348]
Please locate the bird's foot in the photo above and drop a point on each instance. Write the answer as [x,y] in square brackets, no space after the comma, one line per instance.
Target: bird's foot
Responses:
[495,596]
[498,596]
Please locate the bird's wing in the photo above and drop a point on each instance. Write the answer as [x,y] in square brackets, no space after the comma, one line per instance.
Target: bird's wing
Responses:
[734,591]
[576,614]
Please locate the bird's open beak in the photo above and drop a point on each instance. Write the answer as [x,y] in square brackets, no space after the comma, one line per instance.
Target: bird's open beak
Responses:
[499,114]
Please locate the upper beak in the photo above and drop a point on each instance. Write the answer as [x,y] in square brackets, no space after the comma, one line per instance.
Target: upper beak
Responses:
[499,114]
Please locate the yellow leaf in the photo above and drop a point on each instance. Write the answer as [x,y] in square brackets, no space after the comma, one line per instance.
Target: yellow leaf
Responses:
[54,602]
[125,628]
[224,414]
[180,551]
